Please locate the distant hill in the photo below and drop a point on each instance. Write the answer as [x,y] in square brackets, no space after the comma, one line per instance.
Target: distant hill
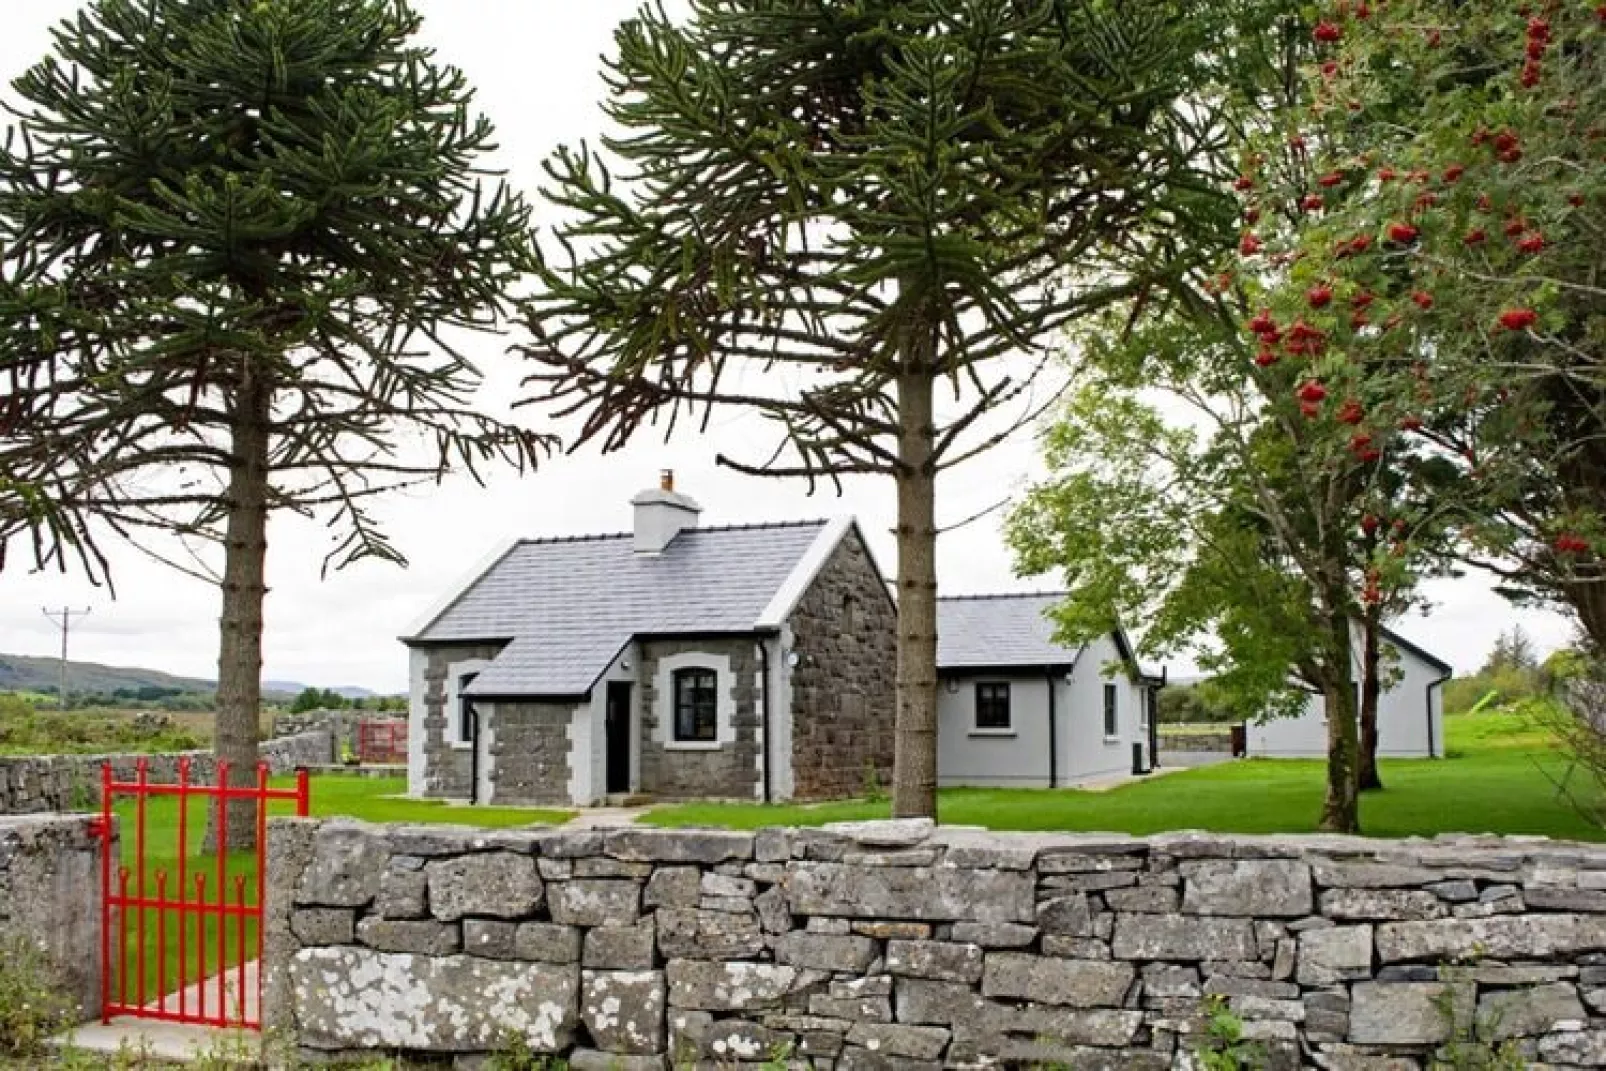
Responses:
[30,673]
[26,673]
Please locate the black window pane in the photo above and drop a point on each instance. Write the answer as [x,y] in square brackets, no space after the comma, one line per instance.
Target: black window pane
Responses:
[1111,721]
[696,705]
[992,706]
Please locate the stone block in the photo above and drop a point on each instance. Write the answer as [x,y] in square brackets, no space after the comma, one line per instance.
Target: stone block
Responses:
[994,934]
[1146,899]
[1407,1013]
[547,942]
[1346,875]
[491,938]
[424,937]
[1584,1048]
[1162,980]
[351,999]
[403,890]
[595,902]
[701,846]
[601,866]
[620,948]
[725,886]
[324,925]
[696,934]
[1503,937]
[1334,955]
[917,1000]
[708,985]
[885,833]
[499,885]
[1530,1012]
[911,1042]
[1454,892]
[1263,888]
[935,959]
[861,1009]
[595,1060]
[623,1011]
[1069,916]
[825,952]
[1385,905]
[1544,898]
[1075,947]
[674,886]
[1048,980]
[1180,937]
[345,869]
[773,915]
[925,893]
[893,931]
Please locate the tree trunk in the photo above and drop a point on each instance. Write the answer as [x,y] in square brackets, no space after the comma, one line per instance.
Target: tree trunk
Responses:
[239,668]
[1588,600]
[915,766]
[1366,776]
[1341,808]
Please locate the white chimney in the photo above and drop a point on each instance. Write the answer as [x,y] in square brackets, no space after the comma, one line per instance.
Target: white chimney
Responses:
[662,514]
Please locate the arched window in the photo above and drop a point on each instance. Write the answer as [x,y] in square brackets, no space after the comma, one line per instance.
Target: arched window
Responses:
[696,693]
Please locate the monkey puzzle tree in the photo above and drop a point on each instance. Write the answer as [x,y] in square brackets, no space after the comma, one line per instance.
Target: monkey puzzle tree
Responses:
[232,234]
[868,222]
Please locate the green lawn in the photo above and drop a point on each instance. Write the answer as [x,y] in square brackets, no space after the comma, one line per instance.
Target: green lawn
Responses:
[370,799]
[1497,780]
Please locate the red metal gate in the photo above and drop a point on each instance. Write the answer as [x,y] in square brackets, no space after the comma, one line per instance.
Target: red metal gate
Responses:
[381,742]
[195,996]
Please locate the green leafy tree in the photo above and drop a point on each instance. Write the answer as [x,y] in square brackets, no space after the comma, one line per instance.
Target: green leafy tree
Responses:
[869,222]
[234,238]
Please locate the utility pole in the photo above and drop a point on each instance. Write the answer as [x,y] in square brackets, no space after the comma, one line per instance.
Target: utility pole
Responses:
[63,619]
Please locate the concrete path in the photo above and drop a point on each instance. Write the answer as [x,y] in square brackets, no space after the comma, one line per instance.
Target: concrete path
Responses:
[180,1042]
[605,817]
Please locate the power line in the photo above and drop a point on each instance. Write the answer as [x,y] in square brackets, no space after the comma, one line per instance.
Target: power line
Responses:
[63,619]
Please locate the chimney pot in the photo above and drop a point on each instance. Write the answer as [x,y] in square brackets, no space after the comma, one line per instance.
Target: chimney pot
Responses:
[666,480]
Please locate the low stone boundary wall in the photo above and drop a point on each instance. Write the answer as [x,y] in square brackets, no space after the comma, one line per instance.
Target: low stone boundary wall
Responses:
[35,784]
[890,945]
[1221,741]
[50,900]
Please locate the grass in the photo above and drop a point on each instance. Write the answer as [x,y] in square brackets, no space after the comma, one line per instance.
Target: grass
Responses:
[370,799]
[1500,778]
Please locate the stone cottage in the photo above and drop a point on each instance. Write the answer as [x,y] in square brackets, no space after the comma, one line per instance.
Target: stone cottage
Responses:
[745,662]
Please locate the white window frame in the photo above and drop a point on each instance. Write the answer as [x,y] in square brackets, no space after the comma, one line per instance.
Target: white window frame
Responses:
[664,701]
[977,729]
[454,700]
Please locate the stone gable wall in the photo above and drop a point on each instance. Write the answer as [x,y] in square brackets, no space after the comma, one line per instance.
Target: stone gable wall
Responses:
[888,945]
[846,629]
[35,784]
[729,772]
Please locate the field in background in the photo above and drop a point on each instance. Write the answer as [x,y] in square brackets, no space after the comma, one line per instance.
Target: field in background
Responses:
[1502,776]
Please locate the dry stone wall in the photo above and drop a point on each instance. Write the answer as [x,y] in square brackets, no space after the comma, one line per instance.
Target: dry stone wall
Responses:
[35,784]
[892,945]
[50,901]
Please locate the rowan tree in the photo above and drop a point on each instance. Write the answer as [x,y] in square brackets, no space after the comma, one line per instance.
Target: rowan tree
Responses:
[232,236]
[1474,153]
[869,222]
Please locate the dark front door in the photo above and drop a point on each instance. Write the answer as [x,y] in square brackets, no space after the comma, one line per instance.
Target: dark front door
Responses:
[618,732]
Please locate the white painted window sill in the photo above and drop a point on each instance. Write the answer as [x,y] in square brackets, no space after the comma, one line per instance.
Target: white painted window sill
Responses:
[994,732]
[1111,740]
[462,745]
[692,745]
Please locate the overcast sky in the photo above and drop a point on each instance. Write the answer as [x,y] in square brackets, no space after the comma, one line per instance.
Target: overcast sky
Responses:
[536,68]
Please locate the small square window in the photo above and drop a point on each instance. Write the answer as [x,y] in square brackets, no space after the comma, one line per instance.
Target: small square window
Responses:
[1112,714]
[696,705]
[992,706]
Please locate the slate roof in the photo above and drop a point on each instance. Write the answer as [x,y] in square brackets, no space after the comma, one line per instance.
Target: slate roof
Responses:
[998,631]
[568,606]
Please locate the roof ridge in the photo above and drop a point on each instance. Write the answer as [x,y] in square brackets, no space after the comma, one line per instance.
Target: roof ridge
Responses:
[590,537]
[1004,595]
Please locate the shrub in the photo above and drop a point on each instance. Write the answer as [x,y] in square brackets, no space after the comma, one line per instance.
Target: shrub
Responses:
[32,1007]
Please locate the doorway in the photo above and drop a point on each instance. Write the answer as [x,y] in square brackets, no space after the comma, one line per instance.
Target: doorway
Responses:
[617,735]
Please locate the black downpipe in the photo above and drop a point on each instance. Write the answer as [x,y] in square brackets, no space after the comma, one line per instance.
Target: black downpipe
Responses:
[1053,736]
[764,713]
[473,714]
